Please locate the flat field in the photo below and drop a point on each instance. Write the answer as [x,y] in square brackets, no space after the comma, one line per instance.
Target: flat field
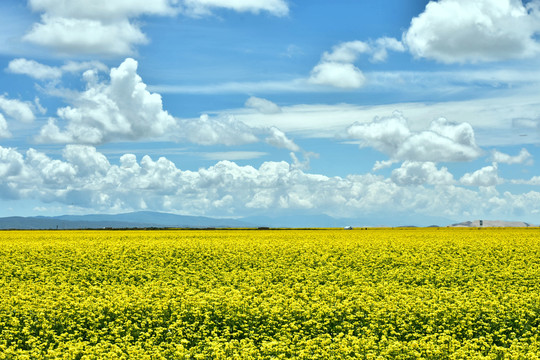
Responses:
[270,294]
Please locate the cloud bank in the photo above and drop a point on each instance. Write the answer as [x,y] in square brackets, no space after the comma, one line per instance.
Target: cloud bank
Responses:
[85,178]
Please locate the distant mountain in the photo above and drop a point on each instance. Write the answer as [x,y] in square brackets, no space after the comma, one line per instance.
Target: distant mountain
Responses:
[34,223]
[141,219]
[491,223]
[148,219]
[158,219]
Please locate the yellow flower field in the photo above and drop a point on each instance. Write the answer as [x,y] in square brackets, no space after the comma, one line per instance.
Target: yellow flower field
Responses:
[275,294]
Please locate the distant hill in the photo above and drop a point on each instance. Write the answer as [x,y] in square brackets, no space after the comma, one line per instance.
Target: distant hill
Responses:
[150,219]
[141,219]
[491,223]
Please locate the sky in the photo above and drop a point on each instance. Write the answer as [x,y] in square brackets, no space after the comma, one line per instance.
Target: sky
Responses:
[234,108]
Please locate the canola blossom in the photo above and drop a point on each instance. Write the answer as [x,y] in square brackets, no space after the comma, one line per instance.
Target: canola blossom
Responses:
[274,294]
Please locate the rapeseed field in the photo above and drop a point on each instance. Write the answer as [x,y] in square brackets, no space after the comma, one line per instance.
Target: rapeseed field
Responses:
[276,294]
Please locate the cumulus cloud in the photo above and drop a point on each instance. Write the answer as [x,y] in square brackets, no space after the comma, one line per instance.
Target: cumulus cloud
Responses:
[524,157]
[86,36]
[471,31]
[420,173]
[278,139]
[121,109]
[86,178]
[262,105]
[443,141]
[54,174]
[11,162]
[341,75]
[96,27]
[225,130]
[86,160]
[486,176]
[16,109]
[336,68]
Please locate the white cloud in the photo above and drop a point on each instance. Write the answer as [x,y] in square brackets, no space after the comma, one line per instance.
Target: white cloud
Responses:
[336,68]
[16,109]
[102,9]
[39,107]
[420,173]
[120,110]
[86,36]
[486,176]
[490,117]
[107,27]
[382,45]
[524,157]
[535,180]
[341,75]
[427,83]
[479,30]
[225,130]
[96,27]
[442,141]
[86,160]
[4,132]
[55,174]
[34,69]
[11,162]
[346,52]
[262,105]
[81,66]
[278,139]
[383,164]
[123,109]
[85,178]
[305,163]
[204,7]
[40,71]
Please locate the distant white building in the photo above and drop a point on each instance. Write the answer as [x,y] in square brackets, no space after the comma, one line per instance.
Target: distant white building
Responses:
[348,227]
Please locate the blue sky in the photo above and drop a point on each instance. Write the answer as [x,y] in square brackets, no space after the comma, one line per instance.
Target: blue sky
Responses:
[268,107]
